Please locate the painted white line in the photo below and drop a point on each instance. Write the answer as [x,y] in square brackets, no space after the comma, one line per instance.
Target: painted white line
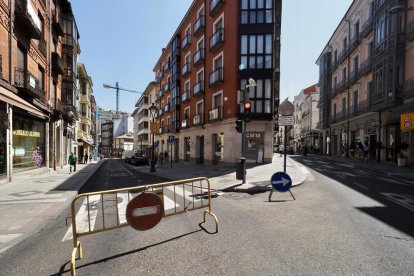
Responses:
[122,207]
[180,192]
[168,203]
[33,201]
[405,200]
[8,237]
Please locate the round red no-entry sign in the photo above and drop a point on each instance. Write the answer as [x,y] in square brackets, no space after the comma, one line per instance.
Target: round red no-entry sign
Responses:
[144,211]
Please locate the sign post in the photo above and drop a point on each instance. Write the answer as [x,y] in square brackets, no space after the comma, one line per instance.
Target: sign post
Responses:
[280,182]
[286,118]
[171,140]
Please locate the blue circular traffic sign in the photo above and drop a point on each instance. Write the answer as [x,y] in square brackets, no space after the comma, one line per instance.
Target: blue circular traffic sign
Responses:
[281,182]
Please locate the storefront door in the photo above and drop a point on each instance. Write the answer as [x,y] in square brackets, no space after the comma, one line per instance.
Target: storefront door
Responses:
[3,138]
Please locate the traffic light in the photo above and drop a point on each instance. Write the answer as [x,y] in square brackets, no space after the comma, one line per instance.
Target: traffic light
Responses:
[247,110]
[239,126]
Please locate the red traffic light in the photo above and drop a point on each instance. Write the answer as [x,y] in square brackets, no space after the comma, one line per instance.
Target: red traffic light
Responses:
[247,105]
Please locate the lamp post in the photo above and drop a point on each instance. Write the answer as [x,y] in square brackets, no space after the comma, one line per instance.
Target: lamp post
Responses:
[153,110]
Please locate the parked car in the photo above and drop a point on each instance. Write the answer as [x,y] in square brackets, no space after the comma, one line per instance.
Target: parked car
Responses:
[139,160]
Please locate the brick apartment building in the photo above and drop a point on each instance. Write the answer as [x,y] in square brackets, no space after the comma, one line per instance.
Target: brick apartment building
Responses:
[366,76]
[38,53]
[201,77]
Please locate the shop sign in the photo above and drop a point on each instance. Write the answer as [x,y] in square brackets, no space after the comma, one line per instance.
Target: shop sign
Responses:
[407,121]
[26,133]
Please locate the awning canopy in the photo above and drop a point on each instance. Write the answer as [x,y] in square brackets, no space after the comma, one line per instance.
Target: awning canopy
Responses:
[11,98]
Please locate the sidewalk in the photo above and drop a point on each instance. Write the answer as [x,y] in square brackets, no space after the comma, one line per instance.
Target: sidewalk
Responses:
[32,198]
[223,177]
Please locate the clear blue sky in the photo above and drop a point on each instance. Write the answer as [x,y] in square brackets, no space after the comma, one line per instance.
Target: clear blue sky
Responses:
[122,40]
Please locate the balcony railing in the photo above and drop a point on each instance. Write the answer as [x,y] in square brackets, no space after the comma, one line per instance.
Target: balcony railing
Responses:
[353,77]
[216,76]
[174,126]
[166,87]
[57,64]
[198,88]
[60,107]
[27,19]
[367,27]
[409,88]
[198,119]
[167,107]
[343,54]
[68,40]
[216,40]
[366,66]
[215,6]
[198,56]
[166,66]
[185,96]
[57,24]
[185,69]
[185,123]
[354,42]
[186,41]
[28,83]
[215,114]
[69,76]
[199,25]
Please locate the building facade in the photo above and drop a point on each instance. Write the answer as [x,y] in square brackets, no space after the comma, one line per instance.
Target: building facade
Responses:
[363,80]
[201,80]
[36,105]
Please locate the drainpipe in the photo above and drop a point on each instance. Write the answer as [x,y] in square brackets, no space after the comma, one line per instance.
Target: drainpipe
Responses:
[11,25]
[348,104]
[9,137]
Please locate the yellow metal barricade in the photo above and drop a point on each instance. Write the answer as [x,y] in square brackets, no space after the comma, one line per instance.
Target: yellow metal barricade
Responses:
[184,195]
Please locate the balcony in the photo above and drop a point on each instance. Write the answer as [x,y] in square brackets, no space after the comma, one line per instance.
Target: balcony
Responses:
[366,67]
[27,83]
[354,42]
[42,47]
[198,57]
[367,28]
[185,96]
[71,112]
[342,56]
[175,102]
[408,88]
[27,18]
[57,64]
[215,6]
[160,111]
[57,24]
[198,119]
[198,88]
[174,126]
[166,88]
[199,25]
[185,70]
[216,77]
[68,41]
[186,42]
[185,123]
[167,107]
[60,107]
[216,40]
[69,76]
[215,114]
[410,31]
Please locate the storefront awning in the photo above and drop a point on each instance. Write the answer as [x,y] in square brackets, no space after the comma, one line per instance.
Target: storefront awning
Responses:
[11,98]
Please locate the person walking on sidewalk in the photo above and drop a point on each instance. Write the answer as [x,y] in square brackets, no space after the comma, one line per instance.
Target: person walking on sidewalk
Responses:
[86,158]
[72,162]
[366,151]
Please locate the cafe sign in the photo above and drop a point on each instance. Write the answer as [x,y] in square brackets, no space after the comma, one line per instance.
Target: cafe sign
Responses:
[26,133]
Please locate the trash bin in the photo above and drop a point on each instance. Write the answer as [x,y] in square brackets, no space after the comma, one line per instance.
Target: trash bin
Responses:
[241,169]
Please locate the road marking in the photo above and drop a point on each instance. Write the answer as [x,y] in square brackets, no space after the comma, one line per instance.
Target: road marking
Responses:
[180,191]
[405,200]
[122,207]
[8,237]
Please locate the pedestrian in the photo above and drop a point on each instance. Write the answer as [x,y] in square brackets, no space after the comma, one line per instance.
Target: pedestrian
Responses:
[72,162]
[90,158]
[366,151]
[85,160]
[166,156]
[161,158]
[281,150]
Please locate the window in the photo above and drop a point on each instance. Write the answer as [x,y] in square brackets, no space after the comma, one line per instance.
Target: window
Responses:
[356,29]
[256,51]
[380,30]
[200,108]
[355,101]
[260,96]
[83,88]
[41,76]
[256,11]
[356,64]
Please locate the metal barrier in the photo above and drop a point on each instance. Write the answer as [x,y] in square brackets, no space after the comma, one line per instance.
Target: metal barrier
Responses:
[187,195]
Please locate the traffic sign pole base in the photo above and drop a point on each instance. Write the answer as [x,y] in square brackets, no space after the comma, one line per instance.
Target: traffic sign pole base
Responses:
[271,193]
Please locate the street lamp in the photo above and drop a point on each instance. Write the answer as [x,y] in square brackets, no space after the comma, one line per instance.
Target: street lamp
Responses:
[153,110]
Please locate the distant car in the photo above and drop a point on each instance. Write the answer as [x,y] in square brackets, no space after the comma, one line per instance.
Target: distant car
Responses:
[139,160]
[276,148]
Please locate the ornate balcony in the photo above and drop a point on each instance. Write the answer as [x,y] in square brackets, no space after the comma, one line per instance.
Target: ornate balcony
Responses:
[366,66]
[198,119]
[198,88]
[215,114]
[198,57]
[215,6]
[57,24]
[199,25]
[57,64]
[216,77]
[367,27]
[353,77]
[216,40]
[27,18]
[28,84]
[69,41]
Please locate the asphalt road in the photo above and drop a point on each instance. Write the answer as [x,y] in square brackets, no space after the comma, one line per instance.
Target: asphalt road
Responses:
[330,229]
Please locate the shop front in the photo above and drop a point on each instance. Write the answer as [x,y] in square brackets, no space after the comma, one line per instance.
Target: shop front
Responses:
[3,138]
[29,142]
